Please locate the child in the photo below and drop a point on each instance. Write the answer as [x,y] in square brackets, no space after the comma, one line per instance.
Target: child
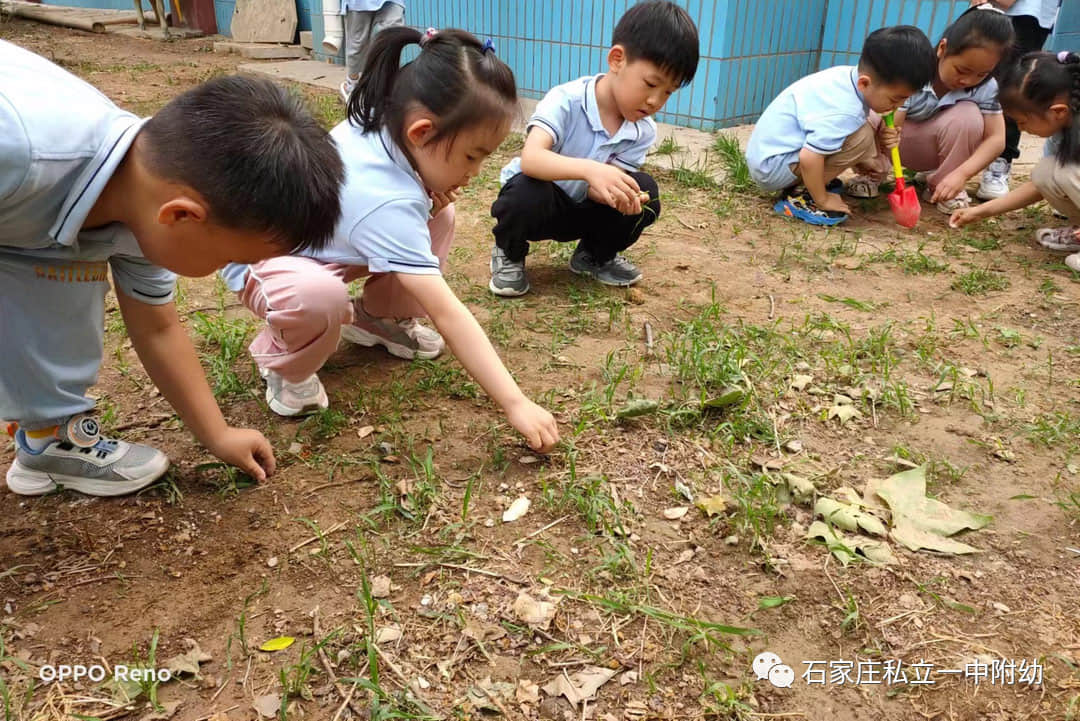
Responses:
[579,173]
[1042,94]
[818,127]
[415,133]
[1032,22]
[953,128]
[363,21]
[232,170]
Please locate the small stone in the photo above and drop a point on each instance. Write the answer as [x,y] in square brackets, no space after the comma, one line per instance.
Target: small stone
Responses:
[426,600]
[272,561]
[794,446]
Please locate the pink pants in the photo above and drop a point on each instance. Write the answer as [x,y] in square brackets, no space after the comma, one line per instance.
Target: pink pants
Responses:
[305,302]
[943,142]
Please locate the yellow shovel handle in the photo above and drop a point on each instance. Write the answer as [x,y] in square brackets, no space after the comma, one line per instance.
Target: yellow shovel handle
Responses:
[898,169]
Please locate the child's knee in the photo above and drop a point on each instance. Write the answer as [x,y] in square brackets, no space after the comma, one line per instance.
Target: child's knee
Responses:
[319,298]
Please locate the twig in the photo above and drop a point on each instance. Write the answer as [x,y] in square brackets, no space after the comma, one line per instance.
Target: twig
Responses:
[1074,550]
[143,423]
[467,569]
[648,339]
[207,718]
[102,578]
[495,701]
[327,532]
[684,224]
[326,663]
[335,484]
[402,677]
[772,307]
[345,702]
[550,525]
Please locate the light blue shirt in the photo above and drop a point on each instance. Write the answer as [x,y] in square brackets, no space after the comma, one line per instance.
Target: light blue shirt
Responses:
[61,140]
[818,112]
[1045,11]
[384,216]
[924,104]
[569,114]
[367,6]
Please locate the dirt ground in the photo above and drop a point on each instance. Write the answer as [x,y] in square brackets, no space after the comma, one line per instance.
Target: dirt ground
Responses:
[662,551]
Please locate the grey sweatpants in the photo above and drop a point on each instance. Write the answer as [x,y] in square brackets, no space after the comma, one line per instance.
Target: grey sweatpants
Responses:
[361,28]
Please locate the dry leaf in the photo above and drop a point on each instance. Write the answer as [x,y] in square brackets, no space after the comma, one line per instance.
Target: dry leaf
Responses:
[713,505]
[380,587]
[844,412]
[527,692]
[267,705]
[387,634]
[674,514]
[580,686]
[800,381]
[528,460]
[516,510]
[188,662]
[533,612]
[365,431]
[168,710]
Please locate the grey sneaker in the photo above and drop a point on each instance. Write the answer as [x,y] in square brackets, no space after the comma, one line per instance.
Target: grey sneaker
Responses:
[617,271]
[508,278]
[108,467]
[294,399]
[406,338]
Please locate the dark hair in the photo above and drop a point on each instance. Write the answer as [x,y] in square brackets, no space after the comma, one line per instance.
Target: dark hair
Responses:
[662,33]
[254,154]
[899,54]
[1034,83]
[456,77]
[979,27]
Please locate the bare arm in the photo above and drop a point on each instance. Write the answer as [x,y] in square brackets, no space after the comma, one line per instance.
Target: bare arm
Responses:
[1027,194]
[169,358]
[471,346]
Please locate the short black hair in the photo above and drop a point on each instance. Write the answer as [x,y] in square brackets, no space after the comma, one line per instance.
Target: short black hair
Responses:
[455,76]
[980,26]
[662,33]
[256,156]
[899,54]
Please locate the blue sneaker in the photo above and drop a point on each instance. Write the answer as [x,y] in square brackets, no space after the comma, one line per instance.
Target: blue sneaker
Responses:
[801,206]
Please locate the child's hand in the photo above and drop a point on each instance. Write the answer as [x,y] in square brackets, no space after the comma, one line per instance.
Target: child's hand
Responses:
[439,201]
[611,186]
[536,424]
[888,138]
[949,187]
[834,203]
[246,449]
[962,217]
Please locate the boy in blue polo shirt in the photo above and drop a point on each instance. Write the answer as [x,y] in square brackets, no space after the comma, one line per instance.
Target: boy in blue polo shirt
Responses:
[579,174]
[818,127]
[232,170]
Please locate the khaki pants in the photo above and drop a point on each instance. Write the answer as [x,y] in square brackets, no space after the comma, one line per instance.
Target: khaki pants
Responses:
[1060,186]
[860,148]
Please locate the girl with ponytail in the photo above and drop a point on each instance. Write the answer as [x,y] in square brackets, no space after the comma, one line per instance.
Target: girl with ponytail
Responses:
[416,134]
[1042,94]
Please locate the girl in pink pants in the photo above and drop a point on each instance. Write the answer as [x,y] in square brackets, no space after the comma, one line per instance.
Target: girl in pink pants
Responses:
[415,134]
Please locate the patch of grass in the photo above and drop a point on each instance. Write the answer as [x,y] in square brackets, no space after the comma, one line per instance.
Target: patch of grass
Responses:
[918,263]
[442,377]
[737,178]
[757,509]
[668,146]
[863,305]
[980,281]
[325,424]
[325,108]
[1058,429]
[229,337]
[695,177]
[228,480]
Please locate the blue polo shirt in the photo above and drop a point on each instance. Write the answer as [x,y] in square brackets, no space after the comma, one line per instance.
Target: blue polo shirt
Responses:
[924,104]
[61,140]
[384,214]
[569,114]
[817,112]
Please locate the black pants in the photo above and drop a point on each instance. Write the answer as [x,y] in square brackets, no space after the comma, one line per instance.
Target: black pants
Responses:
[1030,36]
[528,209]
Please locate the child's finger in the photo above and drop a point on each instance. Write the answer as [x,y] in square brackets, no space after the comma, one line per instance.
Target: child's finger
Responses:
[253,469]
[264,455]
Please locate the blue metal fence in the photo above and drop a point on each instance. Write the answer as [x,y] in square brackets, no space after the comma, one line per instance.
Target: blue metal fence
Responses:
[750,49]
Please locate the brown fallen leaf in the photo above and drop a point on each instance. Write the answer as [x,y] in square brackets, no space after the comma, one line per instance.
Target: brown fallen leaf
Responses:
[580,686]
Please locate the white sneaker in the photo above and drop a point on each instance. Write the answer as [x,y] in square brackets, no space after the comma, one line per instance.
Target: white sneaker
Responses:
[995,180]
[950,206]
[294,399]
[1060,240]
[1073,262]
[862,186]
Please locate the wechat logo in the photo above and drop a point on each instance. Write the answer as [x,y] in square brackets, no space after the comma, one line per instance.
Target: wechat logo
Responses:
[768,665]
